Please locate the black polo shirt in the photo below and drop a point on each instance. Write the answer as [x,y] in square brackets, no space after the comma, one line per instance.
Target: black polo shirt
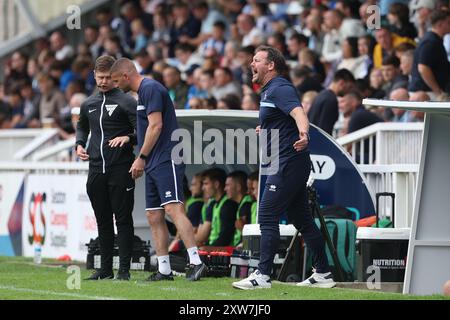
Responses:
[362,118]
[430,52]
[324,111]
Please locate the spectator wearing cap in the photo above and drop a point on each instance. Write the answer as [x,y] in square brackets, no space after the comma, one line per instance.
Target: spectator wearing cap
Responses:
[224,84]
[177,88]
[422,13]
[386,43]
[431,69]
[251,35]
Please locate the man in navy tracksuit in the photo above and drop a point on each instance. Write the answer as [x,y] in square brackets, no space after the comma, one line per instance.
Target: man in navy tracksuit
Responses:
[156,121]
[110,117]
[285,189]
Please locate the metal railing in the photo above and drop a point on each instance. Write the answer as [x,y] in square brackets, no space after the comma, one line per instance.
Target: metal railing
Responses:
[19,144]
[385,143]
[400,179]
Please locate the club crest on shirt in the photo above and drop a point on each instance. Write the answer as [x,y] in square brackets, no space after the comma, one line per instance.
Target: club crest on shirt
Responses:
[110,108]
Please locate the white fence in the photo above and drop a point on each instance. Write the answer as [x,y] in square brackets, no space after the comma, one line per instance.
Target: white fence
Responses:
[398,179]
[20,144]
[385,143]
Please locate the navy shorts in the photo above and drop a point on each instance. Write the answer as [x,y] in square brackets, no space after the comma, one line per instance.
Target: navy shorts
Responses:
[163,185]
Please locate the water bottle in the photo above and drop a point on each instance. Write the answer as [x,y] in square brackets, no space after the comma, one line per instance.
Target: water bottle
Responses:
[37,253]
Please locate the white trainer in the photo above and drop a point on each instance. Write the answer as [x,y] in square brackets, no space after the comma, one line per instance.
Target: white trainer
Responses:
[319,280]
[255,280]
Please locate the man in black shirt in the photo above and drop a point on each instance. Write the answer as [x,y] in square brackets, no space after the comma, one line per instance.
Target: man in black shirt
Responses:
[430,71]
[110,117]
[324,110]
[351,106]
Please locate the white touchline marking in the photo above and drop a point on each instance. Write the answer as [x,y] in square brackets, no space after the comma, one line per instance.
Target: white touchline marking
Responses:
[65,294]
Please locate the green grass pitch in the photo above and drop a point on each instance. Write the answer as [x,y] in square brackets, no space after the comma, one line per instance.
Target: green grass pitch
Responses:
[20,278]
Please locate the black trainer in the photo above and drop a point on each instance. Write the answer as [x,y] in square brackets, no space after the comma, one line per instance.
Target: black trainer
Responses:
[158,276]
[101,275]
[123,276]
[195,272]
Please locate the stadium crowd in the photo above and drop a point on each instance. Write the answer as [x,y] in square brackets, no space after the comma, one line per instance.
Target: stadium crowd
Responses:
[202,50]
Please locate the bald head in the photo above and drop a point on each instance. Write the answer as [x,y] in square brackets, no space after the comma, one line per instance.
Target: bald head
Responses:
[400,94]
[124,75]
[419,96]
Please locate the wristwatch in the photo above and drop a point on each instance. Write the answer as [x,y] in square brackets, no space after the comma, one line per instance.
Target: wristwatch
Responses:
[143,156]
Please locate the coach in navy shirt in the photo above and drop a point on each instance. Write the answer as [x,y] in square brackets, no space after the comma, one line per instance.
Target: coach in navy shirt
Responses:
[156,121]
[285,189]
[430,71]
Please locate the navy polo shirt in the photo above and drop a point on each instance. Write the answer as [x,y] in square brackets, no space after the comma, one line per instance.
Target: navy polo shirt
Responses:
[153,97]
[278,98]
[430,52]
